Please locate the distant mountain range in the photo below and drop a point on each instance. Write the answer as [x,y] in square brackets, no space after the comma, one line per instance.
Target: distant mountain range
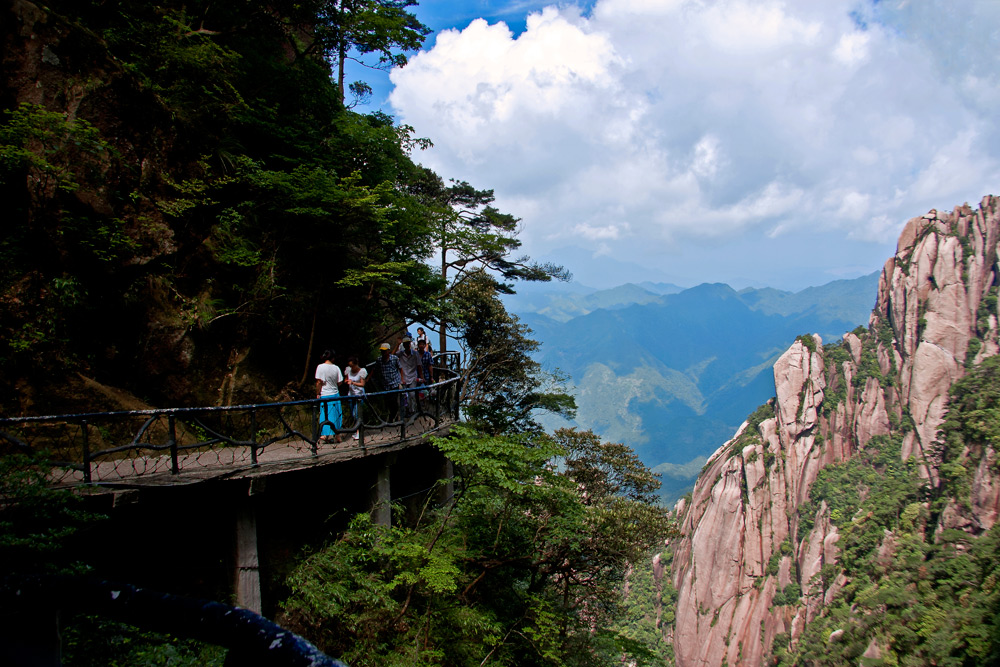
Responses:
[672,372]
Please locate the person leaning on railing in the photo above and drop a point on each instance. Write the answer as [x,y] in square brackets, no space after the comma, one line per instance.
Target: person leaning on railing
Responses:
[356,376]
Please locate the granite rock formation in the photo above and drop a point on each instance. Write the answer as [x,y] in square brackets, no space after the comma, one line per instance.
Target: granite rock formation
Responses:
[935,316]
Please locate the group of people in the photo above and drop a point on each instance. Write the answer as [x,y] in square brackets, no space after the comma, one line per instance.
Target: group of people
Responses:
[404,368]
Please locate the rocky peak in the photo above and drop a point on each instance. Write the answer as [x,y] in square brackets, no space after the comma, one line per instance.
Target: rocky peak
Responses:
[744,570]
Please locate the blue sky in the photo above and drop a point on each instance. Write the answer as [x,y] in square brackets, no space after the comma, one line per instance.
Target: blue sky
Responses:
[754,142]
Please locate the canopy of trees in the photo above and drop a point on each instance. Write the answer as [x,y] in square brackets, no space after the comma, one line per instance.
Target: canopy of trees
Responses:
[192,213]
[525,567]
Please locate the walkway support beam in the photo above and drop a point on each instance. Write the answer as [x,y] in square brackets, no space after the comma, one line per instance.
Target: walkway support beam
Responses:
[248,592]
[382,510]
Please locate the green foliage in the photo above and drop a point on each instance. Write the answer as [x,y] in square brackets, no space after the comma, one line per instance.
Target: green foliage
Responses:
[231,195]
[972,350]
[44,159]
[808,342]
[232,203]
[504,386]
[94,641]
[784,549]
[38,524]
[637,623]
[971,426]
[924,599]
[45,149]
[352,29]
[847,487]
[41,529]
[987,307]
[526,566]
[751,434]
[788,595]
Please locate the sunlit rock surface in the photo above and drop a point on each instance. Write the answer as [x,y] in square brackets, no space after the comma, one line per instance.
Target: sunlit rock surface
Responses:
[729,565]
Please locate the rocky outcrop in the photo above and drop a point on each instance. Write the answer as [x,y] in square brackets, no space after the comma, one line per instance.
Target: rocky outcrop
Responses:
[743,569]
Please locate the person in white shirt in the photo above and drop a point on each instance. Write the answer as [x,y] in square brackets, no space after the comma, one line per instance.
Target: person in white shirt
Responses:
[328,381]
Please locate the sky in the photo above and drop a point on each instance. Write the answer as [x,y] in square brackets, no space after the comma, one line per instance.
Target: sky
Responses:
[752,142]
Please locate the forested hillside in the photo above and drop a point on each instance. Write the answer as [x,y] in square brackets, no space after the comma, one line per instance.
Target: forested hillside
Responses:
[673,375]
[192,213]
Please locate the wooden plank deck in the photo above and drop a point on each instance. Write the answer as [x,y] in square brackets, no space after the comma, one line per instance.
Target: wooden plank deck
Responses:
[235,462]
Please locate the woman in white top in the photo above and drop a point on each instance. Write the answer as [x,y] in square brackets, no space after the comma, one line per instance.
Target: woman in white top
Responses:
[357,375]
[328,381]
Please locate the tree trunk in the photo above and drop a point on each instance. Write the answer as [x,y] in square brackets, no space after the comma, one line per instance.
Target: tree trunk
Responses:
[443,330]
[309,348]
[341,54]
[341,47]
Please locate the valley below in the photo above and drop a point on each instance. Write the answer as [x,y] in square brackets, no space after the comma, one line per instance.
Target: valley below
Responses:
[673,372]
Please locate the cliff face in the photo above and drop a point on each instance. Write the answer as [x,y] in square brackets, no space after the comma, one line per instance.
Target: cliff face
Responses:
[744,570]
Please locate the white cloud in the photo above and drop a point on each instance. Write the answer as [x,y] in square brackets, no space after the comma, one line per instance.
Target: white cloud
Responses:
[706,157]
[852,48]
[602,233]
[744,27]
[647,124]
[853,205]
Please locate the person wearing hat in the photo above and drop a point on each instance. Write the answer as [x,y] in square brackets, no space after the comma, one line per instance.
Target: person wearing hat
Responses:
[388,366]
[388,372]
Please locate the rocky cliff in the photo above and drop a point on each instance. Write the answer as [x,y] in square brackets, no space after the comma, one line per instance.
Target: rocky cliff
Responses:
[747,568]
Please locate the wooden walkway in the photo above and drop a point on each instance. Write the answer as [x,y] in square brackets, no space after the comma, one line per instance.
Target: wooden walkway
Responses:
[236,462]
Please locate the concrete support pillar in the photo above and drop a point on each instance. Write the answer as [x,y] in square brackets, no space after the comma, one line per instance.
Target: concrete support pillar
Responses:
[248,593]
[382,511]
[446,492]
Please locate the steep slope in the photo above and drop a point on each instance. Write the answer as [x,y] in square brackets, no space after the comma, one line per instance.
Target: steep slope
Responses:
[761,555]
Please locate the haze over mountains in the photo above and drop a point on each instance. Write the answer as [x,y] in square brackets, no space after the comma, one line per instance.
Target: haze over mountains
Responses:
[673,372]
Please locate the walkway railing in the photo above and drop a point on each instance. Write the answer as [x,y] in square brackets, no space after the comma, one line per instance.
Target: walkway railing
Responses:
[182,445]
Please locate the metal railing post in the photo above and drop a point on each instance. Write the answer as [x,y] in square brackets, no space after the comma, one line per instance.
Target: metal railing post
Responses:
[172,441]
[253,436]
[402,414]
[315,429]
[86,453]
[437,406]
[361,421]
